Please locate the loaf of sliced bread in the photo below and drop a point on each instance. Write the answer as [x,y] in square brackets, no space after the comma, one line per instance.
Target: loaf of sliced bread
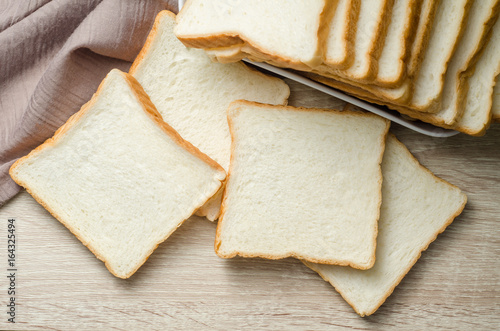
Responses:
[495,109]
[479,100]
[286,31]
[416,207]
[302,183]
[401,32]
[449,23]
[192,93]
[118,177]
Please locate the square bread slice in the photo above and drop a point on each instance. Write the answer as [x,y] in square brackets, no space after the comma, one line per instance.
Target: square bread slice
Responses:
[303,183]
[192,93]
[416,207]
[286,31]
[118,177]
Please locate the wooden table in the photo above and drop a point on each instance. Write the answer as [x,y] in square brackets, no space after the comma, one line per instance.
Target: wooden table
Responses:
[455,285]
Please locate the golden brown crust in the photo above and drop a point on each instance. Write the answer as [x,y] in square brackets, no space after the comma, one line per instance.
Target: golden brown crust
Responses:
[422,35]
[370,97]
[149,109]
[217,243]
[422,248]
[406,42]
[349,35]
[434,105]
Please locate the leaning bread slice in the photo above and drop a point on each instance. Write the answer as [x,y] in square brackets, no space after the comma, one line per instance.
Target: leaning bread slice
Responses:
[401,31]
[448,26]
[192,93]
[118,177]
[416,207]
[479,101]
[339,44]
[302,183]
[374,18]
[482,16]
[287,31]
[495,109]
[421,40]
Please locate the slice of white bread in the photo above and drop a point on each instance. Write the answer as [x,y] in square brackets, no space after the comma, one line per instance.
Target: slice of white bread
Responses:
[426,16]
[302,183]
[496,100]
[479,101]
[374,18]
[118,177]
[416,207]
[449,22]
[339,44]
[286,31]
[401,32]
[192,93]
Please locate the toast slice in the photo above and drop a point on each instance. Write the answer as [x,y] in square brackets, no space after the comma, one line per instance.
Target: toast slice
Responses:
[401,32]
[449,22]
[416,207]
[261,25]
[339,45]
[118,177]
[302,183]
[374,18]
[426,17]
[479,101]
[482,16]
[192,93]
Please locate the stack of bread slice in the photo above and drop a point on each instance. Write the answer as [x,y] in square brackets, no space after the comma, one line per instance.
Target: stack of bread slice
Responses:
[423,58]
[170,138]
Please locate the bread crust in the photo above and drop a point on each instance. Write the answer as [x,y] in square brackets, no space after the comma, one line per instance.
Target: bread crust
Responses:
[232,38]
[217,243]
[153,114]
[421,249]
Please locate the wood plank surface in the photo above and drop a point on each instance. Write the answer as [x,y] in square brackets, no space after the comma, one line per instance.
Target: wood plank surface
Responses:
[60,285]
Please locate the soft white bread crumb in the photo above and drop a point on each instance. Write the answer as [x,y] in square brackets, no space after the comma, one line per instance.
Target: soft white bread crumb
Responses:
[117,177]
[302,183]
[416,207]
[192,93]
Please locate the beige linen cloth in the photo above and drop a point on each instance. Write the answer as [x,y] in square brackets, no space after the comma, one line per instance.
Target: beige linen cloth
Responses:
[53,55]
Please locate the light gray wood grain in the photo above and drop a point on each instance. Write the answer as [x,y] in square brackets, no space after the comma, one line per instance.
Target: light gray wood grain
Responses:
[455,285]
